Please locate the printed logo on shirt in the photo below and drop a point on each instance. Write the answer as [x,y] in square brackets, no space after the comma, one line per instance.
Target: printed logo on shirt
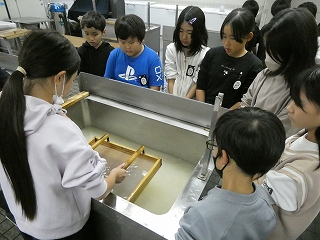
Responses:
[226,70]
[143,80]
[158,72]
[236,85]
[266,187]
[190,70]
[129,75]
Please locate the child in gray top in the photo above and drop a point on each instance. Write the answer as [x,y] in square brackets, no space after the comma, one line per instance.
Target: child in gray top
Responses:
[246,143]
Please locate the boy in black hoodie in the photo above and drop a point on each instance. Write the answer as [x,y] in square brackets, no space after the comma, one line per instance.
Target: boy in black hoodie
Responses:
[94,52]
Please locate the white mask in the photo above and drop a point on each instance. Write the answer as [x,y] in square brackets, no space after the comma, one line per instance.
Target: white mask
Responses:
[271,64]
[58,99]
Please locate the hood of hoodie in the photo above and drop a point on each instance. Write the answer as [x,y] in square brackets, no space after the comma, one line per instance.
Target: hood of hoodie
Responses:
[37,110]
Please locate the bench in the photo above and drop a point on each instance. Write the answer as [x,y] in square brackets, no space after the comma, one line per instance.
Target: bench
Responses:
[13,33]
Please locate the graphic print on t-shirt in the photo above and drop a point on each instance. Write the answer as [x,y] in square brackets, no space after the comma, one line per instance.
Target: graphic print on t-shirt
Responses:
[129,75]
[190,70]
[158,72]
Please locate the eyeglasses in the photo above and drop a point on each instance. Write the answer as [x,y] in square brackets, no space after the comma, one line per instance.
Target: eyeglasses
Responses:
[211,144]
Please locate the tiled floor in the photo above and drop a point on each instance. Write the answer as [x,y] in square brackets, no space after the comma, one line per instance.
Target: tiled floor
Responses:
[8,231]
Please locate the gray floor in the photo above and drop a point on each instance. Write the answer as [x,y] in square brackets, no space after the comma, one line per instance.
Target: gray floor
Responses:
[8,230]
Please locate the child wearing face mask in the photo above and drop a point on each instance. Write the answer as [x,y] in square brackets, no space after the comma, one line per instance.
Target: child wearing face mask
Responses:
[239,208]
[48,172]
[285,59]
[184,55]
[293,183]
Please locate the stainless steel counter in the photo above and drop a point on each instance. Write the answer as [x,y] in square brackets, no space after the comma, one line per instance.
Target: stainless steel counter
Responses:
[164,122]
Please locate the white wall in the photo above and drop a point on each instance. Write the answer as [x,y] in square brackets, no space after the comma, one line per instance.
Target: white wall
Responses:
[3,12]
[206,3]
[28,8]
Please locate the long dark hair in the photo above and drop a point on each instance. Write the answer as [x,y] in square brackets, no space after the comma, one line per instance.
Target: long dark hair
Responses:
[195,17]
[242,22]
[43,54]
[308,81]
[291,40]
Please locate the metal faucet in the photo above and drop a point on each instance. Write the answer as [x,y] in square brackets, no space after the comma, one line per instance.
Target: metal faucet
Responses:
[207,155]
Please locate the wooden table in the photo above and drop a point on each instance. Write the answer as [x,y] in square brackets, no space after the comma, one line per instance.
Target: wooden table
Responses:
[25,21]
[78,41]
[13,33]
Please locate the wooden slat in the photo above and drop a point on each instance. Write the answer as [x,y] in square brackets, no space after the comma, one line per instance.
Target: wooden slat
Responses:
[133,157]
[13,33]
[99,141]
[74,99]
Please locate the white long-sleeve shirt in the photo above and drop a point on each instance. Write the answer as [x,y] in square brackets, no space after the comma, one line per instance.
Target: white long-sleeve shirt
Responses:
[184,70]
[66,172]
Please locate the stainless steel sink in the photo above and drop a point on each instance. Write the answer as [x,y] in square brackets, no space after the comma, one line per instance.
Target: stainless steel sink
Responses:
[172,128]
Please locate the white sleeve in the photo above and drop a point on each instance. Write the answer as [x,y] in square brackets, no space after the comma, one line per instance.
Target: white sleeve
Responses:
[170,69]
[282,189]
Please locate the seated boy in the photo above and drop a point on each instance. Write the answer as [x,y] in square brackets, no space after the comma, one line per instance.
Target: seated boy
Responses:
[94,52]
[246,143]
[133,62]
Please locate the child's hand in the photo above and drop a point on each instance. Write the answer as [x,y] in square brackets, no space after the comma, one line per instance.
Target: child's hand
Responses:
[120,173]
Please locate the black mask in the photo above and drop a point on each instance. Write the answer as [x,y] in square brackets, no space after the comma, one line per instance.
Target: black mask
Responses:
[219,172]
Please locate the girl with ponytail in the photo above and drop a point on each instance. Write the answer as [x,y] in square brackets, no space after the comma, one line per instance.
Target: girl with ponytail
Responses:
[48,172]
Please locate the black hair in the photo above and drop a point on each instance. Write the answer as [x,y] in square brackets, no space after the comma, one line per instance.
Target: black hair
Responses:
[279,5]
[195,17]
[252,6]
[308,82]
[242,22]
[310,6]
[252,137]
[43,54]
[291,39]
[93,19]
[130,26]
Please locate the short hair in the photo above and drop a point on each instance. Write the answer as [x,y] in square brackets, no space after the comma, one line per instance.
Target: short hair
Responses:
[307,81]
[299,52]
[252,137]
[310,6]
[130,25]
[93,19]
[195,17]
[279,5]
[252,6]
[241,21]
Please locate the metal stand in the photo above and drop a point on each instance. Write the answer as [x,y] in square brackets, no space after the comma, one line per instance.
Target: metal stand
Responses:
[94,5]
[7,9]
[207,156]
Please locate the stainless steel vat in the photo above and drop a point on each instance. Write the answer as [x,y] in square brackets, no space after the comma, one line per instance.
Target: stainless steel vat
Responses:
[165,123]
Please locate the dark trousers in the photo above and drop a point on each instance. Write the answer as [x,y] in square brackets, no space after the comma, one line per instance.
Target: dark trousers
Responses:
[87,232]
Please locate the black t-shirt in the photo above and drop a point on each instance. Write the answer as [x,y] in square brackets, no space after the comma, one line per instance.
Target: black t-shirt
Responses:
[228,75]
[94,60]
